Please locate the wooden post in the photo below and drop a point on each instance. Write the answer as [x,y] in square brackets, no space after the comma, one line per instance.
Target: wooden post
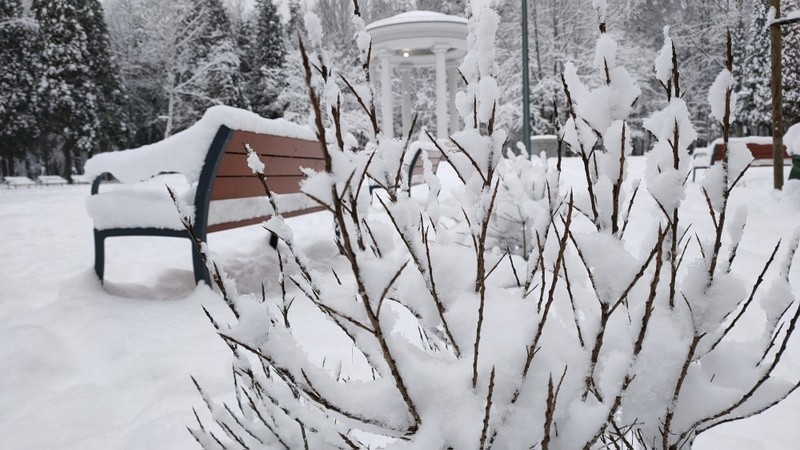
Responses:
[776,49]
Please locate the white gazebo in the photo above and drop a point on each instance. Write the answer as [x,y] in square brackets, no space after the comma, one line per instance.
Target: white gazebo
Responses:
[420,38]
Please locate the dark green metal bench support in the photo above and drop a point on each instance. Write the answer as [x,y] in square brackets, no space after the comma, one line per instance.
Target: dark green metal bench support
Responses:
[201,204]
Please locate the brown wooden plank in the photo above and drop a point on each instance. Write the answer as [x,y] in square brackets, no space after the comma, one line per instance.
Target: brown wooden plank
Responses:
[265,144]
[759,151]
[418,171]
[235,164]
[283,158]
[237,224]
[258,220]
[225,188]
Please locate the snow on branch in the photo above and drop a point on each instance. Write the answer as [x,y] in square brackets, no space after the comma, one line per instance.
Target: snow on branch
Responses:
[513,312]
[790,17]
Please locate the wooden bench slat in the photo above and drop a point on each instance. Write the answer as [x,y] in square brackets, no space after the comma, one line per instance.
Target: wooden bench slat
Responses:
[258,220]
[418,171]
[759,151]
[225,188]
[267,144]
[235,164]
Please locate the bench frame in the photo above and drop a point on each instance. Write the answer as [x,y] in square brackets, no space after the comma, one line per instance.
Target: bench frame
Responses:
[202,202]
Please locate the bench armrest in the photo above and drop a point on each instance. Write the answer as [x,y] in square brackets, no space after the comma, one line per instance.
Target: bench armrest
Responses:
[97,180]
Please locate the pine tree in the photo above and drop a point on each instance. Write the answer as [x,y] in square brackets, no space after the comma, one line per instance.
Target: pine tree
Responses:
[18,80]
[751,59]
[67,87]
[295,25]
[215,45]
[791,68]
[294,92]
[81,96]
[113,132]
[265,54]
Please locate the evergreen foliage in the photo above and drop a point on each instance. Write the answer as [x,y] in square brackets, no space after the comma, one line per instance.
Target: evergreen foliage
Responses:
[215,44]
[752,59]
[18,80]
[265,53]
[791,67]
[113,132]
[68,92]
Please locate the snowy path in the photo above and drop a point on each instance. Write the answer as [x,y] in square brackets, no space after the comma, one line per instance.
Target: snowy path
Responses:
[84,366]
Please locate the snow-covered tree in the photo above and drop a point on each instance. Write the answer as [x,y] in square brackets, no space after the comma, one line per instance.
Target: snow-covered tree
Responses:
[67,89]
[452,7]
[594,339]
[752,57]
[113,132]
[216,45]
[791,67]
[263,60]
[18,82]
[294,24]
[177,58]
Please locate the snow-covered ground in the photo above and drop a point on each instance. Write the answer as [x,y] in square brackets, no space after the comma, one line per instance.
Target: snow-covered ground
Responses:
[91,366]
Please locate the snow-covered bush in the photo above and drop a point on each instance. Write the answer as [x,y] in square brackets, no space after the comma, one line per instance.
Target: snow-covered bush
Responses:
[523,199]
[580,337]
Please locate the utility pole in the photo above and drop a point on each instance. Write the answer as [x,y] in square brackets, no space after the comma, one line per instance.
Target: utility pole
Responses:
[526,83]
[776,65]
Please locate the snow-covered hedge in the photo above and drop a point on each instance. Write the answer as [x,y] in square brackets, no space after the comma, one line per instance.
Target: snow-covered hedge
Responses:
[581,337]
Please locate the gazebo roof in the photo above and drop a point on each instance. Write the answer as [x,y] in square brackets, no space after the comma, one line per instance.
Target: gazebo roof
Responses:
[411,37]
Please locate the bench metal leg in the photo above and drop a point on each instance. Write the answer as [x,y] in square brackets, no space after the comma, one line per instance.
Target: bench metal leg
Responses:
[694,171]
[99,254]
[273,240]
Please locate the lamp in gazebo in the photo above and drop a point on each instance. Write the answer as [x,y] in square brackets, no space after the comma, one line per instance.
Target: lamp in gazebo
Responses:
[419,39]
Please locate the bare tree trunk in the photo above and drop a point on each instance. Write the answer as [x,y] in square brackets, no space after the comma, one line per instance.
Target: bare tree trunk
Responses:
[67,169]
[556,68]
[170,113]
[776,48]
[536,40]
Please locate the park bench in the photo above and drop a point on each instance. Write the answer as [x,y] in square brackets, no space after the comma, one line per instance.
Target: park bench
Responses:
[17,182]
[209,171]
[80,179]
[413,165]
[760,147]
[51,180]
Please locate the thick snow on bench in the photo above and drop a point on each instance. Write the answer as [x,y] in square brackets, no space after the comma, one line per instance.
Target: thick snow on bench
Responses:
[703,157]
[792,139]
[142,199]
[185,152]
[147,205]
[19,181]
[51,180]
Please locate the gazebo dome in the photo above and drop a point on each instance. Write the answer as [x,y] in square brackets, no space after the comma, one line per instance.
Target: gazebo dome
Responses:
[420,38]
[410,37]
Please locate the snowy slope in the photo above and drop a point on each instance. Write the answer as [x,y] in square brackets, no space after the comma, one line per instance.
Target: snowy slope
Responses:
[85,366]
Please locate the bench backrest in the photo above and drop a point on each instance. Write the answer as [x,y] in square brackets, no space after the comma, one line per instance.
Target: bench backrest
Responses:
[226,175]
[759,151]
[416,175]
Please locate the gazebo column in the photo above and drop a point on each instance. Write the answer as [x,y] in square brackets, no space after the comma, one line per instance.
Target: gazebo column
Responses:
[452,87]
[386,95]
[405,83]
[441,92]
